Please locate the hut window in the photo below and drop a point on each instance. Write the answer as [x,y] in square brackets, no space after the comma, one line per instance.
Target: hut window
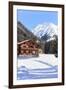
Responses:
[33,52]
[22,51]
[27,46]
[24,46]
[31,46]
[27,51]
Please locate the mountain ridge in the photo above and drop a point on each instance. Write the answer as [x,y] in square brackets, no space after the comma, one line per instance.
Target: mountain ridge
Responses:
[23,33]
[48,29]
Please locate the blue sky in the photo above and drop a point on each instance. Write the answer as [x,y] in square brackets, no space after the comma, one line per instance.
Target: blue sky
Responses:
[31,18]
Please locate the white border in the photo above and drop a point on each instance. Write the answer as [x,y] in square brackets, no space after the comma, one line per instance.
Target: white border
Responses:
[21,82]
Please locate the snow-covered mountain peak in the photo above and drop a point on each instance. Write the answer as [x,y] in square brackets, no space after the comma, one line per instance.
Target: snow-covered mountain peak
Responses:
[45,28]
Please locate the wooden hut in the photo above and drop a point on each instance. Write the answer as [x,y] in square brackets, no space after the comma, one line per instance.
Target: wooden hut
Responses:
[27,47]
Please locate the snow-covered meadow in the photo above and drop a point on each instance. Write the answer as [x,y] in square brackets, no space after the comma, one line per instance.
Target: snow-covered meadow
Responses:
[43,66]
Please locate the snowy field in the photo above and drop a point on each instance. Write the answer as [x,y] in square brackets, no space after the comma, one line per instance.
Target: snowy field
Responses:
[44,66]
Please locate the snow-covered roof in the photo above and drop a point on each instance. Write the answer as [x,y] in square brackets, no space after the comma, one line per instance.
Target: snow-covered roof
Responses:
[23,41]
[53,38]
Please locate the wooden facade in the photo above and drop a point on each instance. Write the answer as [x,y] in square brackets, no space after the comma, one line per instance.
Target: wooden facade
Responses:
[27,47]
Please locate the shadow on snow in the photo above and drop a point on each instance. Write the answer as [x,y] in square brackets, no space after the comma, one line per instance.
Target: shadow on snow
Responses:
[24,73]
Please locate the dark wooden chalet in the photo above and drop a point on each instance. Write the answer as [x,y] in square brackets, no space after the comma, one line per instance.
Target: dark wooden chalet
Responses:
[27,47]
